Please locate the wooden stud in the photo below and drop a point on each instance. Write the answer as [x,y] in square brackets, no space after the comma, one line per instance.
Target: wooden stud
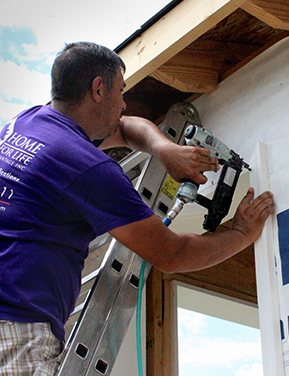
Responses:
[154,317]
[170,337]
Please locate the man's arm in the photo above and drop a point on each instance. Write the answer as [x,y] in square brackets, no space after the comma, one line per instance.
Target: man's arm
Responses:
[171,252]
[181,162]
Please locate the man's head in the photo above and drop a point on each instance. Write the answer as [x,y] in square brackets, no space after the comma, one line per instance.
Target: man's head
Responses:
[76,66]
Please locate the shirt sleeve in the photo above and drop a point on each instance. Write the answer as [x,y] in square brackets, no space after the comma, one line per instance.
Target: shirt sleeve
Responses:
[105,198]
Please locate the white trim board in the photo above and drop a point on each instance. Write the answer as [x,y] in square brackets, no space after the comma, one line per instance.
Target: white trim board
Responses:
[267,288]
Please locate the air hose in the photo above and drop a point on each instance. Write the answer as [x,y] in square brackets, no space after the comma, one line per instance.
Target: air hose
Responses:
[138,319]
[167,221]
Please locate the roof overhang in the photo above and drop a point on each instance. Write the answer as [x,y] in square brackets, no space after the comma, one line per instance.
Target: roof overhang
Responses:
[191,48]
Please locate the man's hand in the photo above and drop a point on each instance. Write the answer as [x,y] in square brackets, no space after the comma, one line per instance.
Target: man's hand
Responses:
[252,214]
[181,162]
[188,162]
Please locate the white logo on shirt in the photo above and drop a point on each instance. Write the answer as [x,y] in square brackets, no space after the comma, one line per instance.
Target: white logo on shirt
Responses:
[6,131]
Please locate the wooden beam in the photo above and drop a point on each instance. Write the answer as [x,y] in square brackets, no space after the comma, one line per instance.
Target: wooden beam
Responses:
[274,13]
[196,69]
[186,79]
[175,31]
[154,317]
[246,60]
[170,330]
[203,283]
[162,346]
[192,70]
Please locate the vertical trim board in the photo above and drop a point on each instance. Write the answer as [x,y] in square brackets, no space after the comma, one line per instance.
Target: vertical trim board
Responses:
[267,288]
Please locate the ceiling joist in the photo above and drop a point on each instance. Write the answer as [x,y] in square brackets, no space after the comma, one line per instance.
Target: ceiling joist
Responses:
[187,79]
[196,69]
[274,13]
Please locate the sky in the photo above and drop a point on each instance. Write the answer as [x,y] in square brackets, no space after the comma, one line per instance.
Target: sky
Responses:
[210,346]
[33,31]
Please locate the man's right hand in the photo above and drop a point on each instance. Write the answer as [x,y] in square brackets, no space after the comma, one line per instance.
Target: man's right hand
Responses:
[188,162]
[252,214]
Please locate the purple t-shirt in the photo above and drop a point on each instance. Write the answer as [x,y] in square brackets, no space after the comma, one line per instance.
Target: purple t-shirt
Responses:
[57,193]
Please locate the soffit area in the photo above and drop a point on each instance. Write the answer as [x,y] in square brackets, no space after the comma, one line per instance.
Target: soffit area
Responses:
[171,62]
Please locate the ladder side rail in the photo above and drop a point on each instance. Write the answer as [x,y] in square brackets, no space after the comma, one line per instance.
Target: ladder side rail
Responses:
[97,308]
[108,347]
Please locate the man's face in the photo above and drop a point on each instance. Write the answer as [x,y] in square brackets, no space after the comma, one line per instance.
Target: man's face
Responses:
[114,105]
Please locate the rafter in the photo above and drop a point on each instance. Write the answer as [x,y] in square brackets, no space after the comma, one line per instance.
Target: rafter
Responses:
[186,79]
[274,13]
[197,68]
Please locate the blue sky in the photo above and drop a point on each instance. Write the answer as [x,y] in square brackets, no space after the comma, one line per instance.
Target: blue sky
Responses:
[33,31]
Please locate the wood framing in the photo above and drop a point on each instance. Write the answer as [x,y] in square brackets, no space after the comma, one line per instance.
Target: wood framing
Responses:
[187,79]
[180,27]
[274,13]
[188,52]
[170,336]
[154,315]
[162,356]
[197,68]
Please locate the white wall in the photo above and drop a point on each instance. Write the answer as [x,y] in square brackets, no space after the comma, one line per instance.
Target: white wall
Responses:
[253,105]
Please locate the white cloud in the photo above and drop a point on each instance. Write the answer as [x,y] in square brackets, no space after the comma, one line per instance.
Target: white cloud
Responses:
[190,323]
[18,83]
[199,348]
[8,110]
[219,352]
[20,89]
[255,370]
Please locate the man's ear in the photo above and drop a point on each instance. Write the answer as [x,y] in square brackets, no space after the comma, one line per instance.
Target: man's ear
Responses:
[97,89]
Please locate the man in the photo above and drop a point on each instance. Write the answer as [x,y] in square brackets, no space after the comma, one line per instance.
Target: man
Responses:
[59,191]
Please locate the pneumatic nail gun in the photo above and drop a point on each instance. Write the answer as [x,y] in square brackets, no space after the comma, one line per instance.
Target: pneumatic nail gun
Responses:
[232,166]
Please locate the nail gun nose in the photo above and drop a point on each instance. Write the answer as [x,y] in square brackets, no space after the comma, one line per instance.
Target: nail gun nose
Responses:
[190,131]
